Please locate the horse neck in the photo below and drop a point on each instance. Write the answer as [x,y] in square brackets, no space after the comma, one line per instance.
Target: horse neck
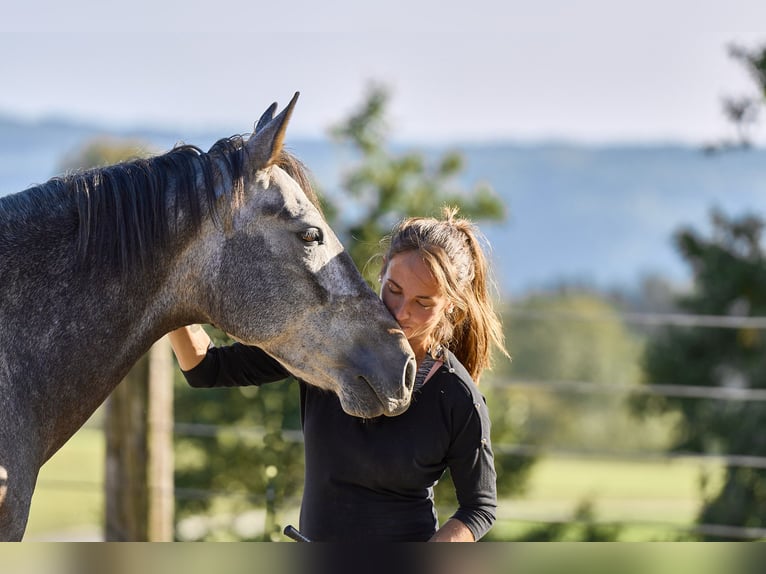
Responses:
[90,321]
[152,290]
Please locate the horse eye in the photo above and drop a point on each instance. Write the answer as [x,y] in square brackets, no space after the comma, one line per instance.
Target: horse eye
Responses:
[311,235]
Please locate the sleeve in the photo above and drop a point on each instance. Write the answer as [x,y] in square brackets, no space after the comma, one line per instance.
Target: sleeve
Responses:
[236,365]
[472,467]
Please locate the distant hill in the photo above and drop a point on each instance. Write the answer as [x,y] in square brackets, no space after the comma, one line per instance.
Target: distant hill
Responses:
[606,215]
[602,216]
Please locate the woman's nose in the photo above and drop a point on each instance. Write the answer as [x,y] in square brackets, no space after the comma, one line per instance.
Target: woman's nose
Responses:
[401,313]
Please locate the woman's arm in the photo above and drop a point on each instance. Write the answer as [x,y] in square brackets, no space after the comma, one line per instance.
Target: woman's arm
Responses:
[453,531]
[190,345]
[472,465]
[236,365]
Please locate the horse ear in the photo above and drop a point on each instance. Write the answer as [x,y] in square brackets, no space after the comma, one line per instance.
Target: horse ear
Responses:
[267,116]
[265,145]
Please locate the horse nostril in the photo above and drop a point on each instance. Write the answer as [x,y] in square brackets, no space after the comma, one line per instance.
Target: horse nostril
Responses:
[408,378]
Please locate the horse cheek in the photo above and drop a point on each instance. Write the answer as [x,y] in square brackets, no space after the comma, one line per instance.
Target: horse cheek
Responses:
[253,301]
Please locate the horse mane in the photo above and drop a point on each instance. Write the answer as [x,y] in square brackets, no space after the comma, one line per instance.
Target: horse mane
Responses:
[126,212]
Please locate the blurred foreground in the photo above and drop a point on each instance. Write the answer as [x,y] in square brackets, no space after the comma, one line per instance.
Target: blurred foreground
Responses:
[514,558]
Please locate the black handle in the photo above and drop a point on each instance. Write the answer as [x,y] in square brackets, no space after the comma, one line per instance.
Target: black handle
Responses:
[291,532]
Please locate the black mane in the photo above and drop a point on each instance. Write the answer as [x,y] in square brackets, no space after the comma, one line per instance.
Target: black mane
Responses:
[125,213]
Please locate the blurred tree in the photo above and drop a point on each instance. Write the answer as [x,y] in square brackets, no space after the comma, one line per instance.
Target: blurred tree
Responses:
[237,450]
[569,338]
[384,186]
[743,111]
[729,279]
[734,248]
[574,336]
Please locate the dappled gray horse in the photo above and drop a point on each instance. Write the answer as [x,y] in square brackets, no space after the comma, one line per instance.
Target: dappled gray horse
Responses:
[95,267]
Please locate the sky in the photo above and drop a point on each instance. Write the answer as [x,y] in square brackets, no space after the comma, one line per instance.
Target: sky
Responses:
[594,71]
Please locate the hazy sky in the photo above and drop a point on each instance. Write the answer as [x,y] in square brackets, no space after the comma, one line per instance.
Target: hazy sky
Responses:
[590,70]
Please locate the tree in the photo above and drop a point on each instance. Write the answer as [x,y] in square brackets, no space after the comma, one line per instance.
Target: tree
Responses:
[729,277]
[237,450]
[568,338]
[385,186]
[729,268]
[743,110]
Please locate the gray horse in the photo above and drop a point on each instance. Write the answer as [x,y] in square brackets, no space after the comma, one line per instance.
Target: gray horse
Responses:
[95,267]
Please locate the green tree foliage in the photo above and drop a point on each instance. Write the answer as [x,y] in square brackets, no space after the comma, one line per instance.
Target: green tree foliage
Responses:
[236,449]
[567,337]
[570,338]
[574,336]
[384,186]
[729,279]
[576,339]
[743,111]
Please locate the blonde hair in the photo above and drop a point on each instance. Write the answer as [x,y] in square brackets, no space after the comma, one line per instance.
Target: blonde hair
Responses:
[450,247]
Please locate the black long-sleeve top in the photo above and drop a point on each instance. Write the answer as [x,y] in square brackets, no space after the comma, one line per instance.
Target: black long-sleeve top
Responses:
[372,479]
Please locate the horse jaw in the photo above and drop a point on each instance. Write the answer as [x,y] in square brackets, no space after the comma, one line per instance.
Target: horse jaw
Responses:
[368,364]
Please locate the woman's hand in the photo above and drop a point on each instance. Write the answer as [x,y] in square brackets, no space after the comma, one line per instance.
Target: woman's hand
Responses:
[453,531]
[190,345]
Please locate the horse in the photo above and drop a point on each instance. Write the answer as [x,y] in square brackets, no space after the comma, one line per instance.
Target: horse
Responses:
[95,266]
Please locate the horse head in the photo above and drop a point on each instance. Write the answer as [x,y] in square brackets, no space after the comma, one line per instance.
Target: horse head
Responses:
[279,278]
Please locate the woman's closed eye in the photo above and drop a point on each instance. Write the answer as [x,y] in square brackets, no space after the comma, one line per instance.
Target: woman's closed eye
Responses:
[422,302]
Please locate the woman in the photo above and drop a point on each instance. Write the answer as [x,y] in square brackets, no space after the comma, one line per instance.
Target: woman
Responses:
[372,480]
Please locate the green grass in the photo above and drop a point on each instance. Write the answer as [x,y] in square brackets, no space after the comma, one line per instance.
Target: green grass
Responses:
[653,498]
[69,497]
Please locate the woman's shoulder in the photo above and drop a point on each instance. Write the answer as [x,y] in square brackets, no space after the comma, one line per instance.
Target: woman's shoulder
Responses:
[460,398]
[455,377]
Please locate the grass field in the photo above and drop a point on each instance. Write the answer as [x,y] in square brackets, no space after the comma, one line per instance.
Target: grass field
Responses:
[654,498]
[68,503]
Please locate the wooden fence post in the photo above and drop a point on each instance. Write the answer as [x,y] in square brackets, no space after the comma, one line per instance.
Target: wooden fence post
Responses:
[139,451]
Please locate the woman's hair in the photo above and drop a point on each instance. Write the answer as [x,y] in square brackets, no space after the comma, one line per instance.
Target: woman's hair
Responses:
[451,249]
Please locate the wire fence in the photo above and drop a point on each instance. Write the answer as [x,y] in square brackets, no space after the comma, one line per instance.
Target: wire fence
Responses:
[559,387]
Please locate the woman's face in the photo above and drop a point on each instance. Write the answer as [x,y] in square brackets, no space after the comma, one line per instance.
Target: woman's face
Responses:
[414,298]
